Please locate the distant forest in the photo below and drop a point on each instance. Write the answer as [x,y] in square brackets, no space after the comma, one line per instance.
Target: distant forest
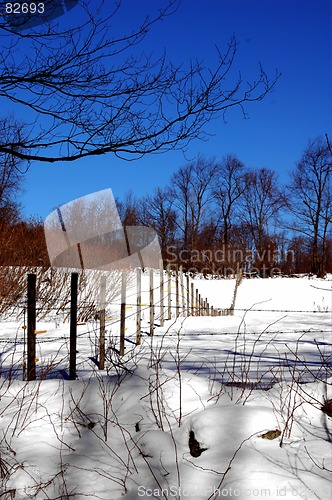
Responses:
[214,217]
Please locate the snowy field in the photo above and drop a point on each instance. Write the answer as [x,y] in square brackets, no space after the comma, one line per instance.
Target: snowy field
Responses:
[207,408]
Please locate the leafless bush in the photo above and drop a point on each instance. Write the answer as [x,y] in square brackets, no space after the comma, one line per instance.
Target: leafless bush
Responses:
[53,291]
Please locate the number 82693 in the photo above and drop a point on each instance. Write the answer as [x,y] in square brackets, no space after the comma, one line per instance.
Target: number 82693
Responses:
[25,8]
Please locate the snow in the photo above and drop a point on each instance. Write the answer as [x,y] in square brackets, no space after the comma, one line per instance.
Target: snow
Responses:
[124,432]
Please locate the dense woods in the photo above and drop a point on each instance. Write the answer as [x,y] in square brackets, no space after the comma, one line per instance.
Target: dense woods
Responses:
[214,217]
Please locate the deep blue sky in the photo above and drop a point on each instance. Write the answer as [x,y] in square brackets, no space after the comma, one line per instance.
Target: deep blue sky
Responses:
[293,36]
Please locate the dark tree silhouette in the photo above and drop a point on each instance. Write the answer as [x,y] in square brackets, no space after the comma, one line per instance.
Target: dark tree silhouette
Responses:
[261,202]
[157,212]
[10,173]
[191,192]
[311,201]
[228,189]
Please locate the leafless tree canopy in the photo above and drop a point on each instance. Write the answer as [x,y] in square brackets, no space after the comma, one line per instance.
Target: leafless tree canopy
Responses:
[10,172]
[83,91]
[217,217]
[157,212]
[192,193]
[228,188]
[311,200]
[261,203]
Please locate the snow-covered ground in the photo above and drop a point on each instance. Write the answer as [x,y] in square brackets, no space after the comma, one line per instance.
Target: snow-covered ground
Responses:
[209,407]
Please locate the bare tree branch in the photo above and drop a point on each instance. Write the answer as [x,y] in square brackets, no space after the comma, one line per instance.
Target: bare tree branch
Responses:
[86,93]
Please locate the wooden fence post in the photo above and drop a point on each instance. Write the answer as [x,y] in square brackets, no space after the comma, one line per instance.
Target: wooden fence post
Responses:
[192,298]
[139,305]
[176,293]
[188,294]
[31,327]
[73,326]
[197,303]
[24,364]
[102,323]
[169,292]
[182,290]
[161,294]
[123,313]
[151,303]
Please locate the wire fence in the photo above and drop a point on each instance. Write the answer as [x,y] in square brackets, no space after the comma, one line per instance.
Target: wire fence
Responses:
[105,313]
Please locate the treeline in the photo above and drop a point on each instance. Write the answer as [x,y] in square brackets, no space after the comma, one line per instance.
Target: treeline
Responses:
[216,217]
[219,216]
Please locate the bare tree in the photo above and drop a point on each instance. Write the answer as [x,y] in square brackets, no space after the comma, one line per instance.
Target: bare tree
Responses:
[158,213]
[10,171]
[261,203]
[129,209]
[87,92]
[10,184]
[191,190]
[21,242]
[227,190]
[311,200]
